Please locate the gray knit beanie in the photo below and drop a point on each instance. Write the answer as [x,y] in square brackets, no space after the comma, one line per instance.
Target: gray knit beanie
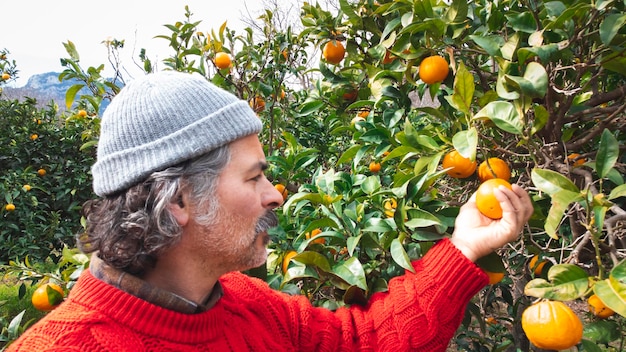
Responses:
[162,119]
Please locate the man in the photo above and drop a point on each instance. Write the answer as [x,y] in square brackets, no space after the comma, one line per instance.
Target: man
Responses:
[185,206]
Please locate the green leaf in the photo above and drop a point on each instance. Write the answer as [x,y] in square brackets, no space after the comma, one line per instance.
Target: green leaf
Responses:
[421,218]
[71,49]
[610,296]
[371,185]
[351,271]
[379,225]
[310,108]
[551,182]
[560,202]
[607,155]
[504,115]
[466,142]
[463,89]
[399,255]
[610,26]
[602,332]
[349,154]
[534,84]
[566,282]
[491,44]
[70,94]
[619,191]
[589,346]
[541,118]
[492,262]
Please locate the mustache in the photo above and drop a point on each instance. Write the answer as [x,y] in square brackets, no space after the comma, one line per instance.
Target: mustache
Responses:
[266,222]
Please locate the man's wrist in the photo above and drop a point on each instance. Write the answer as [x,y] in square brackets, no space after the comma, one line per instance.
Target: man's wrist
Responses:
[463,246]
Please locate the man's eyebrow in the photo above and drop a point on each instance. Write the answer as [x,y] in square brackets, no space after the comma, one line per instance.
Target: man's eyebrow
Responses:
[262,165]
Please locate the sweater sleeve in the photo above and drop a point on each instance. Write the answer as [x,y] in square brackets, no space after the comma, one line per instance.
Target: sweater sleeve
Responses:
[420,311]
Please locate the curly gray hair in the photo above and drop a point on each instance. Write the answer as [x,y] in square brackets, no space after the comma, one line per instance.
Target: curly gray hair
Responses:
[130,228]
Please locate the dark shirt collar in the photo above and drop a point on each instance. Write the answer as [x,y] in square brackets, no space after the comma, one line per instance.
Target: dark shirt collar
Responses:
[142,289]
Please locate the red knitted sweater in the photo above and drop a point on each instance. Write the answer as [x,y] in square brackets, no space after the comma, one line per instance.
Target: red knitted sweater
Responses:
[420,312]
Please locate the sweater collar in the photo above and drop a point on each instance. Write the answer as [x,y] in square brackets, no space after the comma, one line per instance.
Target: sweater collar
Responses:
[147,292]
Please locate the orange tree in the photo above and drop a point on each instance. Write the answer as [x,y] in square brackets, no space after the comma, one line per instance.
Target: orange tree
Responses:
[530,83]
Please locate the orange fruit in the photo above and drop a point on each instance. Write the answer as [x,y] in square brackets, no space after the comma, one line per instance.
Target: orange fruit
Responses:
[257,104]
[6,76]
[461,167]
[389,58]
[222,60]
[363,113]
[333,52]
[41,172]
[44,299]
[26,188]
[350,95]
[536,267]
[494,278]
[390,206]
[598,308]
[494,168]
[374,166]
[313,234]
[281,188]
[575,162]
[82,113]
[486,201]
[552,325]
[9,207]
[433,69]
[34,136]
[287,259]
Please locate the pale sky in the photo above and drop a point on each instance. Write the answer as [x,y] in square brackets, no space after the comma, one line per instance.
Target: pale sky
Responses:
[33,31]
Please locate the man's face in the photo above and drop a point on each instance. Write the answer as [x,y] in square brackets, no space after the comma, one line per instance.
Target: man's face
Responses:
[244,196]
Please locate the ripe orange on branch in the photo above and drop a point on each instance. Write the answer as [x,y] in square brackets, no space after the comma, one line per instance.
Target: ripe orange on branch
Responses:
[598,308]
[494,168]
[287,259]
[222,60]
[257,104]
[333,52]
[552,325]
[433,69]
[461,167]
[282,189]
[314,234]
[45,299]
[374,167]
[494,278]
[536,267]
[486,201]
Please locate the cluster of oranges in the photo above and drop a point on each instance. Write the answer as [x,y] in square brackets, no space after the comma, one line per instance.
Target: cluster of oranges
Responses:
[492,173]
[432,69]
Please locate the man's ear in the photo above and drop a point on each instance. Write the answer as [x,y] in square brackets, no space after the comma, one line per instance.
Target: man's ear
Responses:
[180,212]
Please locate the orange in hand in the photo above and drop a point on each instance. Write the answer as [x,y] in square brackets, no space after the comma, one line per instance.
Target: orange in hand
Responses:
[486,201]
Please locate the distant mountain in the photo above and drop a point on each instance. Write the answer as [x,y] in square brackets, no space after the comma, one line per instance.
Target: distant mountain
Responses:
[45,87]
